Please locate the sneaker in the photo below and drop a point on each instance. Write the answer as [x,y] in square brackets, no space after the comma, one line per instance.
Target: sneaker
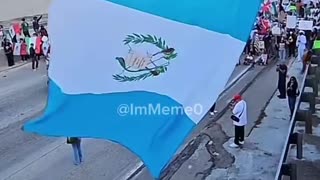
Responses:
[213,113]
[281,97]
[34,70]
[233,145]
[241,142]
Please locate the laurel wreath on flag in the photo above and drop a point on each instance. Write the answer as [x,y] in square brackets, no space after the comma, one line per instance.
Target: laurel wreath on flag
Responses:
[168,54]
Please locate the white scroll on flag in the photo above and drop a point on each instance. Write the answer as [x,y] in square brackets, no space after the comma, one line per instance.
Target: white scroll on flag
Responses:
[12,31]
[30,41]
[160,72]
[45,48]
[17,49]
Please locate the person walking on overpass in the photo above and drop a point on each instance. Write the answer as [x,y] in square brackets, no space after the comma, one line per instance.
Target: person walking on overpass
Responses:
[76,146]
[23,50]
[43,31]
[301,44]
[282,50]
[292,44]
[25,28]
[35,23]
[8,50]
[293,93]
[282,70]
[306,60]
[35,61]
[239,118]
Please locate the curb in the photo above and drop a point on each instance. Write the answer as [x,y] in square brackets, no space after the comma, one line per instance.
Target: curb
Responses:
[224,110]
[14,67]
[219,115]
[238,77]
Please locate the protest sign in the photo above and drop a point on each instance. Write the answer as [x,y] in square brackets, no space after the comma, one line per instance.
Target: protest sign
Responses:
[291,22]
[276,30]
[305,25]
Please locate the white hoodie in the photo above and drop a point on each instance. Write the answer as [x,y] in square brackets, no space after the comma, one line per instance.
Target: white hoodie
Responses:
[240,111]
[301,41]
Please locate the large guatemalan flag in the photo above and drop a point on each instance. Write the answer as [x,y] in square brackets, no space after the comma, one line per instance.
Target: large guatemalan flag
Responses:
[140,57]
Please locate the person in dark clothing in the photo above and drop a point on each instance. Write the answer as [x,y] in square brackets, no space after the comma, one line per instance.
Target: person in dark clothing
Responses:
[293,93]
[25,28]
[292,44]
[43,31]
[8,50]
[77,152]
[35,23]
[35,61]
[282,70]
[268,42]
[313,37]
[301,11]
[306,59]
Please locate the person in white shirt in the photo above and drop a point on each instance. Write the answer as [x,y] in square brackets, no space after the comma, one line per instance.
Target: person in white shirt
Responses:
[239,117]
[301,44]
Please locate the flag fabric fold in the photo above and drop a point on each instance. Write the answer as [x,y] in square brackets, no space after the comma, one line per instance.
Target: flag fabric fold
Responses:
[148,74]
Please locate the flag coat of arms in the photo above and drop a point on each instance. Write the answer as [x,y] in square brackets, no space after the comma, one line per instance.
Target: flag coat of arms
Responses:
[147,77]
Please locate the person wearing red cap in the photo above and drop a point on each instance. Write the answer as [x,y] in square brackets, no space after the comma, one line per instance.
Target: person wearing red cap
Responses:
[239,117]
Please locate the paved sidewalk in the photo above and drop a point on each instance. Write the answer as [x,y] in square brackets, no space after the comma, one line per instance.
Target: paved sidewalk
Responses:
[260,156]
[194,162]
[54,161]
[4,64]
[266,135]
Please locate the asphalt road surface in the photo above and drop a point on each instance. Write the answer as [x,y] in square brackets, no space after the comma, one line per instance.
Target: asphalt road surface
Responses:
[23,94]
[25,156]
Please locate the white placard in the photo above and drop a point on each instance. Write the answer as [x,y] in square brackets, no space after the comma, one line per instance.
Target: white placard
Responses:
[291,22]
[306,1]
[305,25]
[276,30]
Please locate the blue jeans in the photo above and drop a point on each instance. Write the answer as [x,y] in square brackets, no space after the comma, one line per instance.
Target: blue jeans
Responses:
[292,104]
[77,153]
[282,55]
[300,53]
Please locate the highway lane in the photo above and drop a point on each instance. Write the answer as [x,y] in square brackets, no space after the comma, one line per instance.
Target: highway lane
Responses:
[30,157]
[23,95]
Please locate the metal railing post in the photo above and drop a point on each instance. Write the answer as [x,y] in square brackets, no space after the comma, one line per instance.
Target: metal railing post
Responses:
[297,139]
[289,170]
[305,116]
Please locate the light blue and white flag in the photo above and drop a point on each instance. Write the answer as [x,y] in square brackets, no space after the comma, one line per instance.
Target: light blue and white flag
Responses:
[148,72]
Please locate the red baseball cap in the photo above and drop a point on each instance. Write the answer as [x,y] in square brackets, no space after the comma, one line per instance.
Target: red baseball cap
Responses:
[237,97]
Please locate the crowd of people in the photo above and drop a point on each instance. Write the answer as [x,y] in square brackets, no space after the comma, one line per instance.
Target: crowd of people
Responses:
[18,42]
[273,35]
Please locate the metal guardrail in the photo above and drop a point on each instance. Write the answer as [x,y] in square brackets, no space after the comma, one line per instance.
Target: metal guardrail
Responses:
[310,79]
